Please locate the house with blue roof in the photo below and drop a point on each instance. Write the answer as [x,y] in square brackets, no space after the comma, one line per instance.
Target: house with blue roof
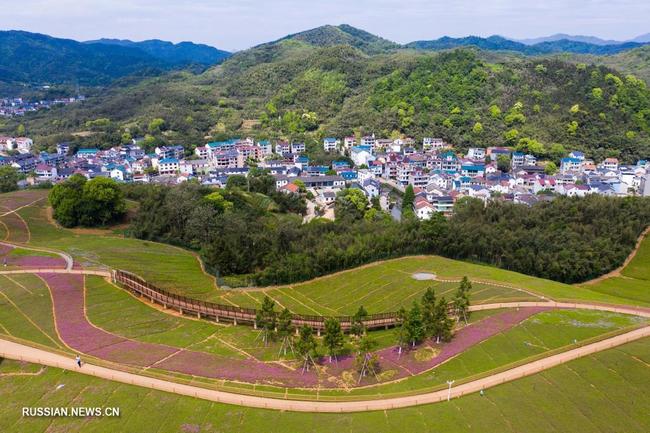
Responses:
[348,174]
[331,144]
[168,166]
[87,153]
[570,164]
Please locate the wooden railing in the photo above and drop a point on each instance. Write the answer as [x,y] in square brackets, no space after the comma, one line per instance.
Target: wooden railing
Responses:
[230,313]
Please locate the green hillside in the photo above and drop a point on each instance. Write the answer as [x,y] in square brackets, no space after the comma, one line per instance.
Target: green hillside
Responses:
[295,89]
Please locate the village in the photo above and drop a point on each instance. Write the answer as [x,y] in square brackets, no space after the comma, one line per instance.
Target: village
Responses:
[12,107]
[438,173]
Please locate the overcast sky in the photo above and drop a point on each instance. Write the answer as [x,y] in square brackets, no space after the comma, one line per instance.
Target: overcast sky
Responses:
[239,24]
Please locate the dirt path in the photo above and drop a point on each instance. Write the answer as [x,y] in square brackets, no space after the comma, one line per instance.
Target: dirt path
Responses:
[21,352]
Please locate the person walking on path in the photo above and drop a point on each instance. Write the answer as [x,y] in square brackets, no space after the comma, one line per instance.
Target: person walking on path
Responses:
[78,361]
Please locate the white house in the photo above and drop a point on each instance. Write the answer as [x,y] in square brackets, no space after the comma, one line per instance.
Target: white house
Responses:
[476,153]
[330,144]
[168,166]
[429,143]
[298,147]
[424,210]
[361,156]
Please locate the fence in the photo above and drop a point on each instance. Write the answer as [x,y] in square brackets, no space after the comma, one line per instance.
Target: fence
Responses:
[230,313]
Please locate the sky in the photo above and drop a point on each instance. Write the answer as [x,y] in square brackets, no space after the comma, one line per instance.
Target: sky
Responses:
[239,24]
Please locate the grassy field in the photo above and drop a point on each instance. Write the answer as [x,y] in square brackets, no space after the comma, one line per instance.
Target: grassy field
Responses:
[169,267]
[634,282]
[118,312]
[26,310]
[379,287]
[606,392]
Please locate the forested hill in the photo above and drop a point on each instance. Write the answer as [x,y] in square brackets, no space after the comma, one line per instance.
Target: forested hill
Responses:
[295,90]
[34,58]
[182,53]
[343,34]
[545,47]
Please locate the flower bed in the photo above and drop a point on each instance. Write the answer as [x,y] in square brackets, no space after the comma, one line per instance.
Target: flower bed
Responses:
[81,335]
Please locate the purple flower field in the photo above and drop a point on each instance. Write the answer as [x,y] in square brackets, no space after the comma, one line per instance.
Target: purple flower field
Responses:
[81,335]
[29,261]
[78,333]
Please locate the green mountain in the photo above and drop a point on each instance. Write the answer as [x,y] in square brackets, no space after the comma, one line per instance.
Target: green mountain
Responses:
[36,59]
[635,62]
[344,34]
[539,48]
[183,53]
[299,90]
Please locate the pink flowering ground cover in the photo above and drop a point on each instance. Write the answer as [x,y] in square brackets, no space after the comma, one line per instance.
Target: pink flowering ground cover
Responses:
[78,333]
[17,229]
[25,261]
[406,364]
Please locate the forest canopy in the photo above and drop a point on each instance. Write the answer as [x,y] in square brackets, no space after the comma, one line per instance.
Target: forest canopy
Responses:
[239,234]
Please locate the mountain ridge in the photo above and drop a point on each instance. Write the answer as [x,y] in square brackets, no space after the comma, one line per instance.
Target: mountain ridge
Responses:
[185,52]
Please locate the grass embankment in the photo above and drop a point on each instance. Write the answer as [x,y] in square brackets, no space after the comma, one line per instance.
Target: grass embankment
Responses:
[382,286]
[633,283]
[600,393]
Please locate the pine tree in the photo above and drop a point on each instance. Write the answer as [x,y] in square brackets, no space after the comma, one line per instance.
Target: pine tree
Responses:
[266,319]
[306,347]
[333,338]
[414,327]
[285,330]
[366,361]
[444,324]
[461,300]
[400,330]
[357,326]
[429,312]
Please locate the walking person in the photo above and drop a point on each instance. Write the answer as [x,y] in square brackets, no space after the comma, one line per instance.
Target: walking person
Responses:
[78,361]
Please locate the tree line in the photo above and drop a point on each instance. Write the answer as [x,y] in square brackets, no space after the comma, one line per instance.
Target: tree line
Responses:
[254,237]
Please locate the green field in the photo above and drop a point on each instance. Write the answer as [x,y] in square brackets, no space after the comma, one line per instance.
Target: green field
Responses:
[118,312]
[634,282]
[601,393]
[169,267]
[26,310]
[379,287]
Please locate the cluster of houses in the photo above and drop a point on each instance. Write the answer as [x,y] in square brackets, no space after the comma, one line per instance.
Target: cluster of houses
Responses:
[10,107]
[438,173]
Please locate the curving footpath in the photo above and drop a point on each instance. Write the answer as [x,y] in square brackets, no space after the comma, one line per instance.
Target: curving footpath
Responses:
[21,352]
[69,263]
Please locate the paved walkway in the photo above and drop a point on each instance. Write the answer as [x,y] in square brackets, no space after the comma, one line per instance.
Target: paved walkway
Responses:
[21,352]
[69,263]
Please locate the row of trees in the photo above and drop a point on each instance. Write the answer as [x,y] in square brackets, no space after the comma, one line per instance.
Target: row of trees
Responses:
[258,237]
[428,319]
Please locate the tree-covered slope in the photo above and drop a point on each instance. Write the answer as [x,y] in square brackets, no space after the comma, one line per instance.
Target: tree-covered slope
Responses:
[35,58]
[296,90]
[343,34]
[544,47]
[182,53]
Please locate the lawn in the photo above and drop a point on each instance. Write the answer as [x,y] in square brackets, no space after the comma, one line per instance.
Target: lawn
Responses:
[385,286]
[379,287]
[118,312]
[167,266]
[26,310]
[634,282]
[605,392]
